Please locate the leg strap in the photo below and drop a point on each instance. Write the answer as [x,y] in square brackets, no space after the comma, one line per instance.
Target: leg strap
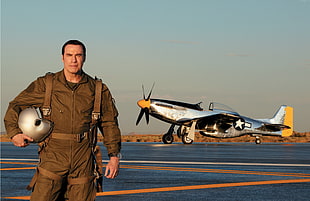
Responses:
[49,174]
[71,181]
[81,180]
[55,177]
[44,172]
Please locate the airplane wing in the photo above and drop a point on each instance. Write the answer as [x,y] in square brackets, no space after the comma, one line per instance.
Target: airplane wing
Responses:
[222,120]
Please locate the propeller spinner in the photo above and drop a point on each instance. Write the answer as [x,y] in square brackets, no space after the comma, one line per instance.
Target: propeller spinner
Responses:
[145,105]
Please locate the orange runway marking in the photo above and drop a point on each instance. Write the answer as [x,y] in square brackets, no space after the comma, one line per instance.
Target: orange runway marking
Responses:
[180,188]
[18,163]
[181,169]
[19,198]
[196,187]
[25,168]
[216,171]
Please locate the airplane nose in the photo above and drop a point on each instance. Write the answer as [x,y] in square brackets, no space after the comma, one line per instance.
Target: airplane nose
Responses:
[144,103]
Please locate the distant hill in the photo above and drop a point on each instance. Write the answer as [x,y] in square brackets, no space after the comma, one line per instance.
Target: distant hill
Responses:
[295,138]
[133,137]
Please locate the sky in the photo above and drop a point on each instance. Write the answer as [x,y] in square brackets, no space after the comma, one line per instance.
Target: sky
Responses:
[252,55]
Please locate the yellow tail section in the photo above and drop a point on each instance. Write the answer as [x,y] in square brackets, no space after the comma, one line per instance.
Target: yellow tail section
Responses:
[288,121]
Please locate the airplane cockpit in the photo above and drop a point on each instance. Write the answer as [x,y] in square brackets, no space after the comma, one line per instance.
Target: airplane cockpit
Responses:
[214,106]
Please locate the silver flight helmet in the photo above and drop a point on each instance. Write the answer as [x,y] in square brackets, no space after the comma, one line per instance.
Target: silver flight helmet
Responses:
[30,121]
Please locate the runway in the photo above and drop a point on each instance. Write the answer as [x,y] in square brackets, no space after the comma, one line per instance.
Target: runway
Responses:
[212,171]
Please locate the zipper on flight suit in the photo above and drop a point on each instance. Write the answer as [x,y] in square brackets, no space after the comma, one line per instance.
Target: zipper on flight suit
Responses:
[72,109]
[73,92]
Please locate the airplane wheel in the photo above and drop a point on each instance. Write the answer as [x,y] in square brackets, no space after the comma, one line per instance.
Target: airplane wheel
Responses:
[258,141]
[186,140]
[167,138]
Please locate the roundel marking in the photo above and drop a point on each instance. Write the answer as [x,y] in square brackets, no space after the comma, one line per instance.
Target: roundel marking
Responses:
[239,124]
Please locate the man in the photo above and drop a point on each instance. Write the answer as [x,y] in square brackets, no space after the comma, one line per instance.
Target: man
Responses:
[66,167]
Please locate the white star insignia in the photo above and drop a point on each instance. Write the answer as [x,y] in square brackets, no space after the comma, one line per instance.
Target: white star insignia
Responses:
[239,124]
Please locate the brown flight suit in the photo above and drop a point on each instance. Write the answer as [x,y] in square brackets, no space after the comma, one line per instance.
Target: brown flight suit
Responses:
[66,164]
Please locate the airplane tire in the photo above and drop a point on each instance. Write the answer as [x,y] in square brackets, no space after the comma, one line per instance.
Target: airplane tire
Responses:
[258,141]
[186,140]
[167,139]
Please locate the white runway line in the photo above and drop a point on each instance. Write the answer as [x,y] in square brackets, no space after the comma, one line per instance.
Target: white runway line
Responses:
[217,163]
[185,163]
[18,159]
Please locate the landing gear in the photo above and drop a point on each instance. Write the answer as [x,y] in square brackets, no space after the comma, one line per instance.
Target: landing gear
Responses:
[258,140]
[187,140]
[168,137]
[183,134]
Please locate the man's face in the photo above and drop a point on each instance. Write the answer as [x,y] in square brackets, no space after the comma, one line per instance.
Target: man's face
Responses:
[73,59]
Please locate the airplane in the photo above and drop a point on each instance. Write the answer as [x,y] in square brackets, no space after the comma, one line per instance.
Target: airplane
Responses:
[219,121]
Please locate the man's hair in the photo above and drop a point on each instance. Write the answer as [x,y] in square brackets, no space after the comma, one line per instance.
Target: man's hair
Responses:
[74,42]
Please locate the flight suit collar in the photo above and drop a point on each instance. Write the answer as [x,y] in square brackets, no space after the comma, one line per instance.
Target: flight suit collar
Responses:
[63,80]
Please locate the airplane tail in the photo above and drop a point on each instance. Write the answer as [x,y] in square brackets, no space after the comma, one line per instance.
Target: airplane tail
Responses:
[285,117]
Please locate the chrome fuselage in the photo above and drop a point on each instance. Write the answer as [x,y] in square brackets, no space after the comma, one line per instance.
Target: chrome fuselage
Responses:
[229,123]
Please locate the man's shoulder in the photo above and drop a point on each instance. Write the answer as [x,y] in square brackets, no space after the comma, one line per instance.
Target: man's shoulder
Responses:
[92,79]
[52,74]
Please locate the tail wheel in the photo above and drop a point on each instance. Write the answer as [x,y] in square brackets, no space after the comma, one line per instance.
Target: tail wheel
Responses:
[186,140]
[167,138]
[258,141]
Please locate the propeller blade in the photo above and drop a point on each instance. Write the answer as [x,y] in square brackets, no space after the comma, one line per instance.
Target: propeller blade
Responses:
[146,109]
[147,115]
[143,92]
[140,116]
[148,97]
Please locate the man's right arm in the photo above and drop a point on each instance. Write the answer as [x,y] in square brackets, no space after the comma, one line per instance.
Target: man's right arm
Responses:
[33,95]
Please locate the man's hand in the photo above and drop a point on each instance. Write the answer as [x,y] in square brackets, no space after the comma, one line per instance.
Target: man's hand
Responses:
[112,168]
[21,140]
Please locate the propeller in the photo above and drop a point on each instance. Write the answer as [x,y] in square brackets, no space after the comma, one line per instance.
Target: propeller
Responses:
[144,104]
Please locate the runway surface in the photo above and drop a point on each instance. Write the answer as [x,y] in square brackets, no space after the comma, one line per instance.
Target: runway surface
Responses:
[213,171]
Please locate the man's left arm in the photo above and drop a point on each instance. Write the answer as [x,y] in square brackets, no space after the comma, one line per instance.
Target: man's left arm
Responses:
[111,133]
[112,168]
